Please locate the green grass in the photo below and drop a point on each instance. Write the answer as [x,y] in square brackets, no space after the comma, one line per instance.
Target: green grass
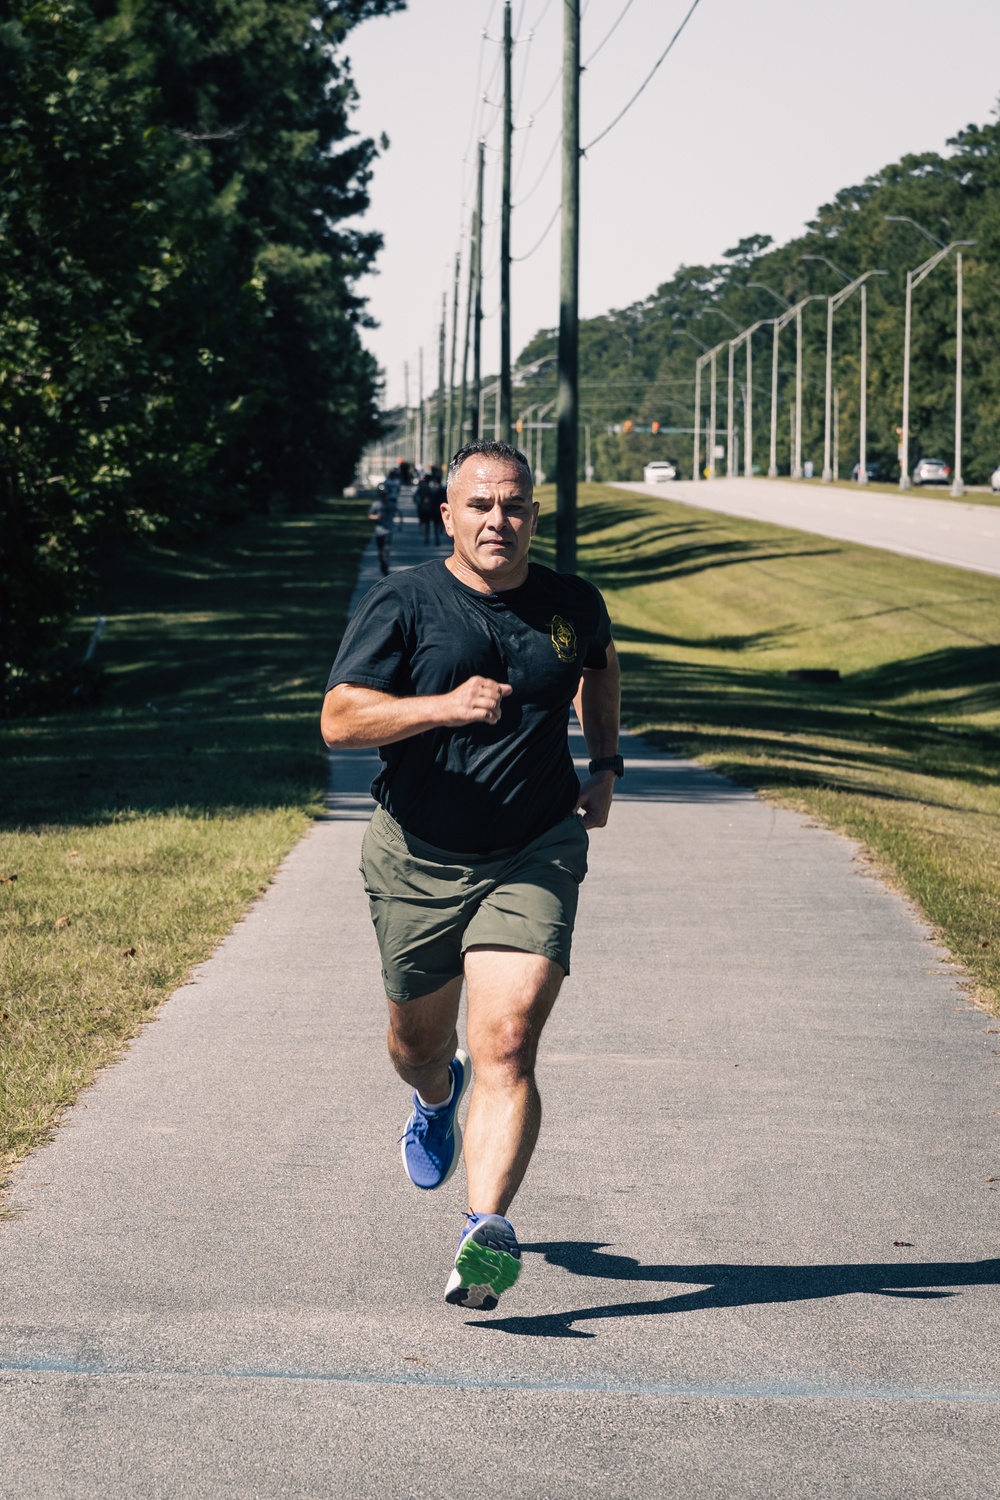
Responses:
[710,615]
[920,491]
[140,830]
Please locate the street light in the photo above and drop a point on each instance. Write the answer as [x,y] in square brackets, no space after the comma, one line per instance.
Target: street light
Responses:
[777,325]
[486,391]
[831,306]
[537,474]
[718,313]
[913,279]
[780,323]
[746,336]
[708,357]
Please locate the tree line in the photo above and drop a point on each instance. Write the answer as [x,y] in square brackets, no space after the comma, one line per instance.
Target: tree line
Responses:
[637,363]
[179,326]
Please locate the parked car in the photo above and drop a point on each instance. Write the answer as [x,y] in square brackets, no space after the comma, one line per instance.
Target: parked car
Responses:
[931,471]
[995,481]
[872,470]
[656,473]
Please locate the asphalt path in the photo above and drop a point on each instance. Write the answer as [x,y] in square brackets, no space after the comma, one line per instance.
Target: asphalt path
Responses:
[942,531]
[760,1231]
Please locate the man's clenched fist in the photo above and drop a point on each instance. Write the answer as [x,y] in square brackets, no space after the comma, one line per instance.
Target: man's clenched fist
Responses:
[476,701]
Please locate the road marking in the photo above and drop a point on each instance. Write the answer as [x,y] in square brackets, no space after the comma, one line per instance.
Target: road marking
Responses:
[732,1390]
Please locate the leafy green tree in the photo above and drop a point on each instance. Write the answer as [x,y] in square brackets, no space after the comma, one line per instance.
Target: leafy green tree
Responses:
[179,329]
[637,363]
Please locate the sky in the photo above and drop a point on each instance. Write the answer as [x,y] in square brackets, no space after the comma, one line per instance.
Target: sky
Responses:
[762,112]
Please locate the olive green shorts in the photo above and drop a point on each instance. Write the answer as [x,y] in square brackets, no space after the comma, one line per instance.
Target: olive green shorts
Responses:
[429,906]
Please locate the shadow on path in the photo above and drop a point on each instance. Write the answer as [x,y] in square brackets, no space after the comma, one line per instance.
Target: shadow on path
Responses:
[734,1286]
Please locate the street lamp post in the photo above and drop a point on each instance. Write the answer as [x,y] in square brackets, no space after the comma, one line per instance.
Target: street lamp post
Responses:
[712,418]
[957,487]
[729,413]
[777,323]
[490,390]
[539,477]
[698,365]
[696,461]
[863,394]
[796,436]
[709,434]
[832,303]
[746,336]
[913,280]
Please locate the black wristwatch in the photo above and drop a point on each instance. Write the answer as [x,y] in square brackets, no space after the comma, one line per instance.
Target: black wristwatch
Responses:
[608,763]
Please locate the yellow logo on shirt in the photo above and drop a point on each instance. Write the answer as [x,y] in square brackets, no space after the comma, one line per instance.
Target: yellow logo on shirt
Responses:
[563,638]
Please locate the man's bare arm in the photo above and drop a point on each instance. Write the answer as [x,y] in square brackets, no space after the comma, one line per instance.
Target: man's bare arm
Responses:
[598,708]
[360,718]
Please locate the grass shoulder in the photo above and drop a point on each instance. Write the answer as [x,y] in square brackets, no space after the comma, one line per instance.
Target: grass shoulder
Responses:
[974,495]
[135,833]
[712,613]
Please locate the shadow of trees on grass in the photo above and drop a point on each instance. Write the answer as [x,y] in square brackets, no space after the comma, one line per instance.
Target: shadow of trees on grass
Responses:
[215,666]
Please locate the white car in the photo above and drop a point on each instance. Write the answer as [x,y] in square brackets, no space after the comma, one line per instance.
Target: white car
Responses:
[657,473]
[995,481]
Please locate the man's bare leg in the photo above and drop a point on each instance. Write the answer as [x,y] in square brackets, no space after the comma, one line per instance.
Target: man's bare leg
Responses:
[510,997]
[423,1039]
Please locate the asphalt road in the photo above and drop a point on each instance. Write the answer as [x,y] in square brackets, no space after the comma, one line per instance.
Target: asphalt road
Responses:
[915,524]
[760,1231]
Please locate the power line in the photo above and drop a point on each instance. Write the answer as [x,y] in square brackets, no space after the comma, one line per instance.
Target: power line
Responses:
[608,35]
[662,58]
[541,237]
[541,176]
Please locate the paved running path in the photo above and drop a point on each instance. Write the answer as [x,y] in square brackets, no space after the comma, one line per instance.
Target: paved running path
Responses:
[944,531]
[760,1077]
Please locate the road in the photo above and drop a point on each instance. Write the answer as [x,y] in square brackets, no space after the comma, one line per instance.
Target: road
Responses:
[943,531]
[760,1231]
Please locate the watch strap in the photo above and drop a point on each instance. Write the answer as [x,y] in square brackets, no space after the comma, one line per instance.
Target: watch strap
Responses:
[608,763]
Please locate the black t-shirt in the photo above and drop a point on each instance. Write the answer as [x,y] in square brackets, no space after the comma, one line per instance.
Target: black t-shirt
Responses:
[483,786]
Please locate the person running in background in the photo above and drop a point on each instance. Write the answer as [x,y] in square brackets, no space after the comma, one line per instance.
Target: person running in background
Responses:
[381,514]
[426,512]
[463,672]
[390,492]
[438,497]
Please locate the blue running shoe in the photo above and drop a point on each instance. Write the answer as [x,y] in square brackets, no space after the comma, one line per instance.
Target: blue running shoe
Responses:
[488,1263]
[432,1141]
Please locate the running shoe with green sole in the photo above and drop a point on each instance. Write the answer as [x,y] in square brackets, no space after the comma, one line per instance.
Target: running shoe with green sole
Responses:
[488,1263]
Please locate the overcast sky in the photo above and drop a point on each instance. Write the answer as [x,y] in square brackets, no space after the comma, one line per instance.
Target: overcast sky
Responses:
[761,113]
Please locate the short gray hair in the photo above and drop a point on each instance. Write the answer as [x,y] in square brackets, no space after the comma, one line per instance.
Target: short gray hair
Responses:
[501,452]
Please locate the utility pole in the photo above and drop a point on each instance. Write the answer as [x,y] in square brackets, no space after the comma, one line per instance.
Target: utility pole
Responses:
[477,313]
[450,443]
[569,297]
[439,433]
[406,407]
[506,399]
[420,420]
[463,392]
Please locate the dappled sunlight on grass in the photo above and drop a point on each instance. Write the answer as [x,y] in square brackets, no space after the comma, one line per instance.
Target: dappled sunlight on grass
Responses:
[139,829]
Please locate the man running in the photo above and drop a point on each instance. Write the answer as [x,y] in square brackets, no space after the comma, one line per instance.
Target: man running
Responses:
[462,671]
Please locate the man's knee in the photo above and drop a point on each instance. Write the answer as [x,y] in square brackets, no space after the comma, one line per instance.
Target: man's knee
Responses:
[420,1050]
[505,1050]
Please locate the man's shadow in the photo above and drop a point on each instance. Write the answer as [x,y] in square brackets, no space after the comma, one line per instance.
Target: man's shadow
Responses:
[734,1286]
